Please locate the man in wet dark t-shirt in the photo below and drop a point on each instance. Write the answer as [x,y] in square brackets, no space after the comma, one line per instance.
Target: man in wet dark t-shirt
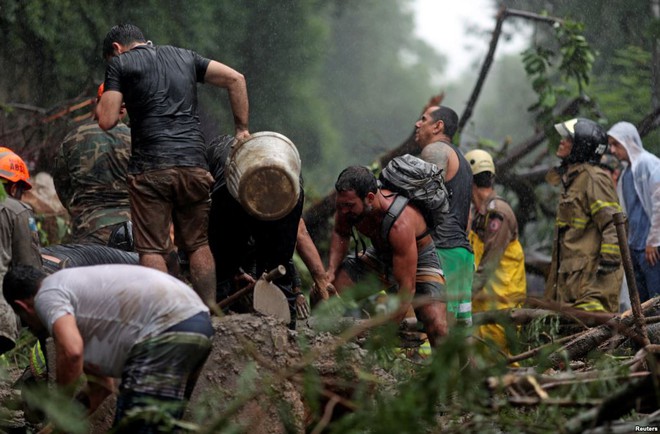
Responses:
[168,179]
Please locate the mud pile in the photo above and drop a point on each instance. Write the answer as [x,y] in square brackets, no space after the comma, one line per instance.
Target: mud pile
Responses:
[257,374]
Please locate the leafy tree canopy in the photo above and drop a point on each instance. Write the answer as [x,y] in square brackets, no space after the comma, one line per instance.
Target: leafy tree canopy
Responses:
[342,79]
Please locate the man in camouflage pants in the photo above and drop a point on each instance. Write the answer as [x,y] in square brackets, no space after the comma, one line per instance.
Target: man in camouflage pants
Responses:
[90,179]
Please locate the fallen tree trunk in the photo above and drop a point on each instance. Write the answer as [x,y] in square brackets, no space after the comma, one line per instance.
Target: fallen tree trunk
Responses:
[631,396]
[521,316]
[593,338]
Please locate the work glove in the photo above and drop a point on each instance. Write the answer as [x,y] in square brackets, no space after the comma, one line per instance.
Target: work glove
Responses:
[302,307]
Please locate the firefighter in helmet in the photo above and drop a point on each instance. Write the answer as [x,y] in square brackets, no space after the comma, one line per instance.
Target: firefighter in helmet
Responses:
[586,270]
[19,240]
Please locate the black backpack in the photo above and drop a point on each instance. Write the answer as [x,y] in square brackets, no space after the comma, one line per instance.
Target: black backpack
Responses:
[421,183]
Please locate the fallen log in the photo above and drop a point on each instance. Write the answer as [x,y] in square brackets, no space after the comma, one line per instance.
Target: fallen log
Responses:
[623,340]
[559,402]
[534,351]
[527,383]
[521,316]
[631,396]
[626,427]
[593,338]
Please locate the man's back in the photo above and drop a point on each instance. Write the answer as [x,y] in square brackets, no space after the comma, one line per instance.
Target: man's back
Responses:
[115,306]
[90,176]
[410,220]
[159,85]
[453,230]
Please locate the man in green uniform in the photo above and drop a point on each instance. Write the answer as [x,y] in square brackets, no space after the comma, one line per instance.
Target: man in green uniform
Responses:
[586,270]
[90,179]
[19,241]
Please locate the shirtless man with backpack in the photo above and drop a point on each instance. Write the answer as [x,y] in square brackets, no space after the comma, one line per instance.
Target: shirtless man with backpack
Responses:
[404,258]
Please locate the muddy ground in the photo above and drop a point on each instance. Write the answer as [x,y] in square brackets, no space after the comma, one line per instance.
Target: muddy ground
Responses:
[255,376]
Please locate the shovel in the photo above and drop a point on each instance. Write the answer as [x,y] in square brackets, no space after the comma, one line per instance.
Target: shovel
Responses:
[268,299]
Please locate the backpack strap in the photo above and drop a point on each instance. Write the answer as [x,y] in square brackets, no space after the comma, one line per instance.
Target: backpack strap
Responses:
[393,212]
[359,244]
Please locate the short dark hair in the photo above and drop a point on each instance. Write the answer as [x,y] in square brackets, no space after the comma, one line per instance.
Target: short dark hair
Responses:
[21,283]
[124,34]
[448,117]
[359,179]
[484,179]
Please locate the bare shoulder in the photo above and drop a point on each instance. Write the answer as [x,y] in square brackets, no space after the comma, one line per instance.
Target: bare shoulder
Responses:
[410,223]
[438,153]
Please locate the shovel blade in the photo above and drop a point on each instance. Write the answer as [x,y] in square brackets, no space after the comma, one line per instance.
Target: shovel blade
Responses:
[270,300]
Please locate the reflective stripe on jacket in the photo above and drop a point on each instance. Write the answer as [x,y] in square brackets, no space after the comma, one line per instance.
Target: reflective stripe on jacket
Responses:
[584,239]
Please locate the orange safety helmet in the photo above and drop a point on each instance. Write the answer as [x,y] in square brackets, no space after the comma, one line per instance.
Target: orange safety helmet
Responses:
[13,168]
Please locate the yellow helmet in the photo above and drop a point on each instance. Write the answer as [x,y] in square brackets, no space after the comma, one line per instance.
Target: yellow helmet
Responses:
[480,161]
[13,168]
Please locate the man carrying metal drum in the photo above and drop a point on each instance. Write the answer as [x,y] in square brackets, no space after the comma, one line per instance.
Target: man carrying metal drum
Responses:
[255,220]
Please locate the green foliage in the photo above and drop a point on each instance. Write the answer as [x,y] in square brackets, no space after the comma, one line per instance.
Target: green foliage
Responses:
[576,61]
[577,56]
[608,25]
[627,91]
[155,413]
[537,64]
[44,35]
[62,412]
[624,94]
[336,77]
[19,356]
[446,392]
[623,34]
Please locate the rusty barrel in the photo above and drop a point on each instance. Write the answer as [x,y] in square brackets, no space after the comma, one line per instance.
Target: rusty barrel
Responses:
[263,174]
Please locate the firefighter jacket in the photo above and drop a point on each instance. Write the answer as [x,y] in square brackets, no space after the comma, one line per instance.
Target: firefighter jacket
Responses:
[499,282]
[586,270]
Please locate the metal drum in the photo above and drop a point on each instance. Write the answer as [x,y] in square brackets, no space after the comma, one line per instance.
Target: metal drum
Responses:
[263,174]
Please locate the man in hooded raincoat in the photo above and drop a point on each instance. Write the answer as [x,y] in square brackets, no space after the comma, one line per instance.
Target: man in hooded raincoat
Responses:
[638,188]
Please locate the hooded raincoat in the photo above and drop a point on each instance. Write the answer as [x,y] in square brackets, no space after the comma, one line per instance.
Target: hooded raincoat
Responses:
[646,174]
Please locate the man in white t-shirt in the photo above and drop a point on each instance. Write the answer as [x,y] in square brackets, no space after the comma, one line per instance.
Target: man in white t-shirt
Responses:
[117,321]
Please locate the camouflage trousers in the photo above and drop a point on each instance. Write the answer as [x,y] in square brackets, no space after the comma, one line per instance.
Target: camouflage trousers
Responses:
[160,374]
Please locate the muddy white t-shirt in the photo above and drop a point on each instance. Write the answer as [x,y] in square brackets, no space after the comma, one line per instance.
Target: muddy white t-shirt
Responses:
[115,307]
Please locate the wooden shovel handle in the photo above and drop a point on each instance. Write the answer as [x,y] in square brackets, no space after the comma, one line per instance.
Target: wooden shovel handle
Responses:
[273,274]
